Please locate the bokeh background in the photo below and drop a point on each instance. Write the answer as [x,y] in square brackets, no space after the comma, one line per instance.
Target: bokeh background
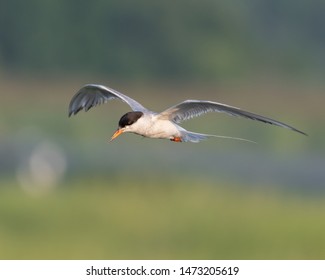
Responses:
[66,193]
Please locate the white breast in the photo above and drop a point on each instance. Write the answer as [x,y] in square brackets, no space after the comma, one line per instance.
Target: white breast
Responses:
[150,126]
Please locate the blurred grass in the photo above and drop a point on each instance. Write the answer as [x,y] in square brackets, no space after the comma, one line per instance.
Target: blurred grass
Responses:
[168,219]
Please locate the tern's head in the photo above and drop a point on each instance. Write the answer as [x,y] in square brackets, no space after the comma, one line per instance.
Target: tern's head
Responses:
[125,123]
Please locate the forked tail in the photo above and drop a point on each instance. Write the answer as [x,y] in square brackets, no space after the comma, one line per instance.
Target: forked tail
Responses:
[188,136]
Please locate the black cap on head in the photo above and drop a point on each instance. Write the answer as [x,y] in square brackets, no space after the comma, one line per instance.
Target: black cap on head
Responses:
[129,118]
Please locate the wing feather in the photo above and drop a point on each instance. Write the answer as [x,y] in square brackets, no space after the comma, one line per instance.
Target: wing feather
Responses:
[194,108]
[92,95]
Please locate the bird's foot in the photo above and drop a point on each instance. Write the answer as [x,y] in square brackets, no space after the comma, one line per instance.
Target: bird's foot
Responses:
[176,139]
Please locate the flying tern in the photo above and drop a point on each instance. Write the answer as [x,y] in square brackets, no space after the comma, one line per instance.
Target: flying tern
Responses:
[164,125]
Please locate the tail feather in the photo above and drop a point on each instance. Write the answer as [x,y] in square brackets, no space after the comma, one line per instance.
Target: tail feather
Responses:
[188,136]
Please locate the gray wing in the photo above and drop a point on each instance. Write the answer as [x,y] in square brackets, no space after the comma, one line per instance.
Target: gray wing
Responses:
[92,95]
[194,108]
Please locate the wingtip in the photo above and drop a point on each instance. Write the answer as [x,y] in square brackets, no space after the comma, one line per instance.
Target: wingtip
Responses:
[301,132]
[74,111]
[70,111]
[304,133]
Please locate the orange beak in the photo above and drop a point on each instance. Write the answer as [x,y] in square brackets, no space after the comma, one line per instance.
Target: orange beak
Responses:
[117,133]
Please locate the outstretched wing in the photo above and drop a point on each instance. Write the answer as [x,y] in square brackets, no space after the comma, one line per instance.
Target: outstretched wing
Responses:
[92,95]
[194,108]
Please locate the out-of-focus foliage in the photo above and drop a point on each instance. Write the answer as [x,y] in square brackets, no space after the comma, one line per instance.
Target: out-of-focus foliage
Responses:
[166,219]
[163,39]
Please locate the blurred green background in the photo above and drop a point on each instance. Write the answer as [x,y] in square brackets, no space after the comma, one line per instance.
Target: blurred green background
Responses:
[66,193]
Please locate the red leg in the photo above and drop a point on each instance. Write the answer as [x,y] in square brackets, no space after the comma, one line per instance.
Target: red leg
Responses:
[176,139]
